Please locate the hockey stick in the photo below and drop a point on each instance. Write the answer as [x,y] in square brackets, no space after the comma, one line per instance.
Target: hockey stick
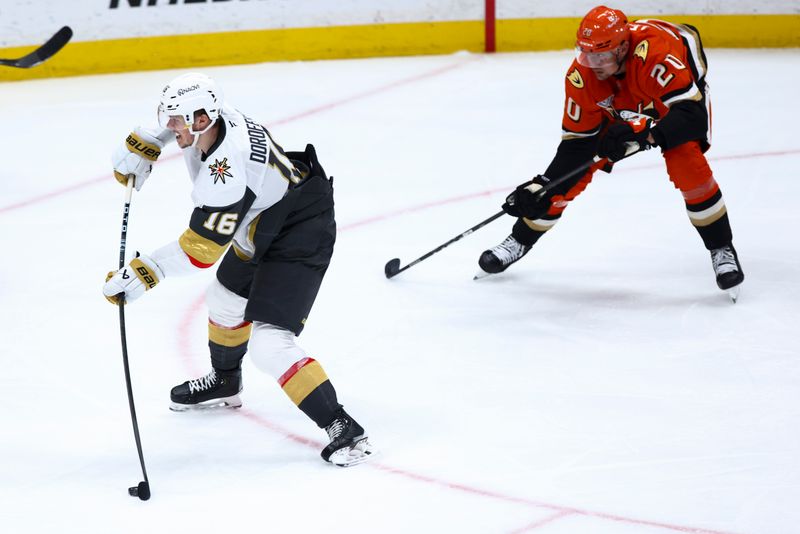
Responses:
[632,147]
[43,53]
[392,267]
[142,490]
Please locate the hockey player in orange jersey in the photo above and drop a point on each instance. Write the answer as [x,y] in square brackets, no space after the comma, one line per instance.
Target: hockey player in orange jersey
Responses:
[632,86]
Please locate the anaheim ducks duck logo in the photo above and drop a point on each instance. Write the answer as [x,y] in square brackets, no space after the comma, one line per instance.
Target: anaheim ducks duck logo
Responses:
[219,170]
[575,78]
[641,50]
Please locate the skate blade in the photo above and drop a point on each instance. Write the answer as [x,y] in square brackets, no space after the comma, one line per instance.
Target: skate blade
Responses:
[225,402]
[354,455]
[482,274]
[733,293]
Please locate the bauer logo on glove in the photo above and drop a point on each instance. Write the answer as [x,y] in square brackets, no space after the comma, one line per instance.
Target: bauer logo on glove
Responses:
[136,144]
[135,157]
[121,284]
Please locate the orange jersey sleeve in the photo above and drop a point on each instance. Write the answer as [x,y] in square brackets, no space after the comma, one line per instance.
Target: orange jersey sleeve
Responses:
[585,95]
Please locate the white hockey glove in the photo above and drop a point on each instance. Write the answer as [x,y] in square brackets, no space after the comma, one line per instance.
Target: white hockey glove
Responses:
[137,155]
[140,275]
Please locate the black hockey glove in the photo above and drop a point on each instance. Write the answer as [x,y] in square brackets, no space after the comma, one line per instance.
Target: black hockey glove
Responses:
[527,200]
[625,138]
[306,162]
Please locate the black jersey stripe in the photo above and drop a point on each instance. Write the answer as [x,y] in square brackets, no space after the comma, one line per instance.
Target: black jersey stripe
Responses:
[690,92]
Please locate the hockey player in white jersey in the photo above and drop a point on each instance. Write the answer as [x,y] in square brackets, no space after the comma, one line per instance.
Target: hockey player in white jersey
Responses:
[273,212]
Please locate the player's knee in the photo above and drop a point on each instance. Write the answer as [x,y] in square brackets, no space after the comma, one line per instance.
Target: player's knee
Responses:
[225,307]
[274,350]
[688,169]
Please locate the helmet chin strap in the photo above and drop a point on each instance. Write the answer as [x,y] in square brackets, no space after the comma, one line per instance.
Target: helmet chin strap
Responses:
[197,134]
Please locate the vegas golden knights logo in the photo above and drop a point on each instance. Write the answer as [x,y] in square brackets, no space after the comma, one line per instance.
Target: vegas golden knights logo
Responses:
[219,170]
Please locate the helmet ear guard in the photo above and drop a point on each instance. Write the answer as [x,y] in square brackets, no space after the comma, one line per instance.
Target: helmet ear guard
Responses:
[188,94]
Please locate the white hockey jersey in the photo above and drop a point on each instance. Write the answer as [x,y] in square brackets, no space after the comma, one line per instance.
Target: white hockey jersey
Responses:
[241,175]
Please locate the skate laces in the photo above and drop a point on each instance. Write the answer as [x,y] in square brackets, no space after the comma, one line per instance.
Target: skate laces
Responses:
[335,429]
[723,260]
[203,383]
[509,251]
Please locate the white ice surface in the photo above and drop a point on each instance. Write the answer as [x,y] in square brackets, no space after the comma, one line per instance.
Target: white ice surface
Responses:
[602,385]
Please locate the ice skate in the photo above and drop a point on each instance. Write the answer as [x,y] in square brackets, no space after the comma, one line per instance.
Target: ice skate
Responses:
[728,270]
[497,259]
[217,389]
[349,443]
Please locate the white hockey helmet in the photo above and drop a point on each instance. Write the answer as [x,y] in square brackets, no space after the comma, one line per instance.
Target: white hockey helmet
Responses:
[187,94]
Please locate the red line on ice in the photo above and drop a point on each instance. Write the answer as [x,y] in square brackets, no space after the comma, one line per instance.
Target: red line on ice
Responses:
[106,179]
[186,350]
[541,522]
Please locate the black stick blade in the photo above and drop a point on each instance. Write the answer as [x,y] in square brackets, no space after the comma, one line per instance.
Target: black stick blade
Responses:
[142,491]
[392,267]
[56,43]
[44,52]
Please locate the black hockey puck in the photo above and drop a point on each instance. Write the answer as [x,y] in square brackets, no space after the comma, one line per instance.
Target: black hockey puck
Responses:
[142,491]
[392,267]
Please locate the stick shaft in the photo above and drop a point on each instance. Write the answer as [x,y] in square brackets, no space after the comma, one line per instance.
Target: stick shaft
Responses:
[122,246]
[134,420]
[123,238]
[561,179]
[631,149]
[571,174]
[447,244]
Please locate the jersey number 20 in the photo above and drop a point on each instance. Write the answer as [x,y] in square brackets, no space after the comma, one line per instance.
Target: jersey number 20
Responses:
[660,70]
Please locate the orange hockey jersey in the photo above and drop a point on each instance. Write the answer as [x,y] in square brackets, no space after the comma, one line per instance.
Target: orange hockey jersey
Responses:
[665,65]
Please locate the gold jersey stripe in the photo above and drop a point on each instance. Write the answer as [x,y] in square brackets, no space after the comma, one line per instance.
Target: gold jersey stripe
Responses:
[710,219]
[691,93]
[200,248]
[695,50]
[251,231]
[304,381]
[241,254]
[540,225]
[229,337]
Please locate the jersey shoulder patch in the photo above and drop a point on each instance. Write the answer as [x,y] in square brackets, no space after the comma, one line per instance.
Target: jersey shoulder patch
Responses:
[575,78]
[220,170]
[641,50]
[221,178]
